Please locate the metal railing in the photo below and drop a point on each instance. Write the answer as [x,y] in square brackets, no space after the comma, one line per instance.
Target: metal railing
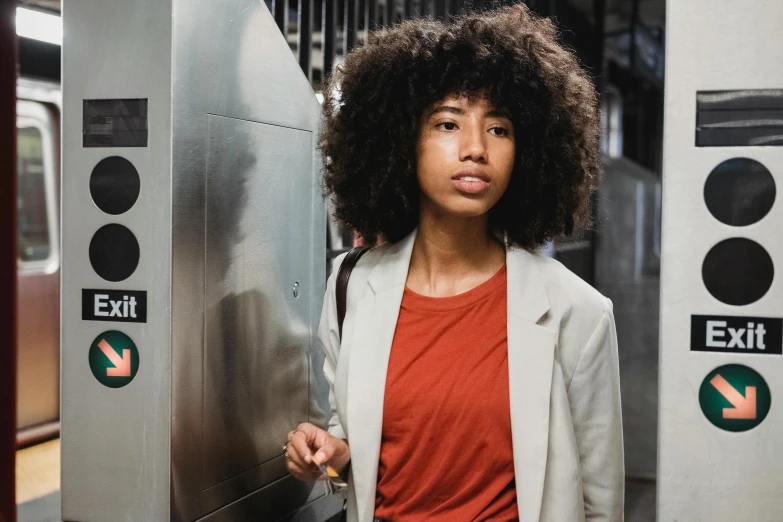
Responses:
[321,32]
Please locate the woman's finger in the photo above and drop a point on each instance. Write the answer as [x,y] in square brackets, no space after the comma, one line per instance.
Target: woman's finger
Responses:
[304,441]
[301,447]
[295,455]
[325,452]
[299,451]
[334,451]
[297,466]
[301,473]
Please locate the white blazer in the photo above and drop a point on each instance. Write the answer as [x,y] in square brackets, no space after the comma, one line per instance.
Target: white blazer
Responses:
[564,384]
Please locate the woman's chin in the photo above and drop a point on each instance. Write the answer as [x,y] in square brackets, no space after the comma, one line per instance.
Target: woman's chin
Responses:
[473,210]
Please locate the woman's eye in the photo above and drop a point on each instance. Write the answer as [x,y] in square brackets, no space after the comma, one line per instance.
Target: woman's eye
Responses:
[447,125]
[498,131]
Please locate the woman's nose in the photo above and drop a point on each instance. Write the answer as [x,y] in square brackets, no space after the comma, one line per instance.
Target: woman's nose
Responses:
[473,144]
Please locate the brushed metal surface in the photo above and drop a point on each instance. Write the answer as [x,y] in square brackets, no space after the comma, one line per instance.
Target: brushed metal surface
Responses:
[281,501]
[228,220]
[247,223]
[115,450]
[256,334]
[706,473]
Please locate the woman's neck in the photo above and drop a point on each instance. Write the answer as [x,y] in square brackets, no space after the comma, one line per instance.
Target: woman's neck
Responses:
[452,255]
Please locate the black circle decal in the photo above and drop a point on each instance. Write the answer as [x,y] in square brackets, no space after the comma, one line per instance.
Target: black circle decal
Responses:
[739,192]
[737,271]
[114,252]
[114,185]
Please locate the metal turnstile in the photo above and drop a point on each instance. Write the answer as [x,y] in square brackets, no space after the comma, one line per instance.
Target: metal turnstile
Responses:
[721,367]
[193,254]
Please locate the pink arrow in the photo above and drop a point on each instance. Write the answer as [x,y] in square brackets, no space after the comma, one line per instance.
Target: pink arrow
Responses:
[122,365]
[744,407]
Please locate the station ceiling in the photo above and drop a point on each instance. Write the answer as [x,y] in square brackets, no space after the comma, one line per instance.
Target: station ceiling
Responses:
[618,12]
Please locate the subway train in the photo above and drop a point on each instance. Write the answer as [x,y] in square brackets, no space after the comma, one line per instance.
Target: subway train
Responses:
[38,274]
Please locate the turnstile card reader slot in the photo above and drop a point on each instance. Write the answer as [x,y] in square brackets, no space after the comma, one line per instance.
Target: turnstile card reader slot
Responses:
[739,118]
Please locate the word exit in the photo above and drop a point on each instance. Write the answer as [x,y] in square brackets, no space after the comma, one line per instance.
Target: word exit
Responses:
[124,306]
[731,334]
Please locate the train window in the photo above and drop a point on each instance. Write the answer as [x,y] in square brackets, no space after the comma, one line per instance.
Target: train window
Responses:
[34,244]
[36,190]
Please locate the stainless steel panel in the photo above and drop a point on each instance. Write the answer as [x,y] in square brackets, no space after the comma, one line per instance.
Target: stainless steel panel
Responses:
[229,219]
[256,380]
[704,472]
[247,223]
[281,501]
[115,451]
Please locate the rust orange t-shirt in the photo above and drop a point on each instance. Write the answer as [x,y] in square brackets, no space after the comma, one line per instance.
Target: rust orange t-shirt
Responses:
[446,452]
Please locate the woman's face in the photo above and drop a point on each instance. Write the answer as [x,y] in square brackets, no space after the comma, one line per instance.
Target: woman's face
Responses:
[464,156]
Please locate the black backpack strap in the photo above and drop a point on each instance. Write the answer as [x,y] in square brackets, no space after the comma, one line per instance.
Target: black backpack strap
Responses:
[342,281]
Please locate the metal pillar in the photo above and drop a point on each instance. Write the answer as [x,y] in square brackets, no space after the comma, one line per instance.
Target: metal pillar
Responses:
[329,35]
[372,15]
[306,38]
[351,24]
[721,363]
[280,8]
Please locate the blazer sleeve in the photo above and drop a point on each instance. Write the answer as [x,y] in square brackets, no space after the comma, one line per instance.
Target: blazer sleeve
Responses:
[594,396]
[329,335]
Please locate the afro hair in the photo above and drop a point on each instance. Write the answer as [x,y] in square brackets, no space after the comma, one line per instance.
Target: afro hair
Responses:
[375,100]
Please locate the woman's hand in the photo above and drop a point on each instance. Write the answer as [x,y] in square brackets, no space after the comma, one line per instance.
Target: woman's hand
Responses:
[307,445]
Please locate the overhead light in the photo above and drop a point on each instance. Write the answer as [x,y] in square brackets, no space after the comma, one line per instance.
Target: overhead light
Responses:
[39,25]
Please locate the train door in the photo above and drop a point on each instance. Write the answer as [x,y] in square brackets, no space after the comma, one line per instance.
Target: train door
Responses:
[38,274]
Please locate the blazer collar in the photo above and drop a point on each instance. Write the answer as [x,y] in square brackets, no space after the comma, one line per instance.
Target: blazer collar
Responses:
[392,268]
[527,296]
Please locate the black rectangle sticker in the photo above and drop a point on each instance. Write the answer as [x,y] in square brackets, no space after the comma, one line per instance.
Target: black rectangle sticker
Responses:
[732,334]
[115,123]
[123,306]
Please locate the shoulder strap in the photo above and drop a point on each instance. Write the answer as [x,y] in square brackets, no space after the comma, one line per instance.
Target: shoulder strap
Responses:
[342,281]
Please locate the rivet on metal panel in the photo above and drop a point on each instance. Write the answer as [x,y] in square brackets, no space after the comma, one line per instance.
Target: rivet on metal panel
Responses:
[296,289]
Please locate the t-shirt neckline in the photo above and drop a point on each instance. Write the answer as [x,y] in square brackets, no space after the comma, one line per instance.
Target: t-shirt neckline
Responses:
[413,300]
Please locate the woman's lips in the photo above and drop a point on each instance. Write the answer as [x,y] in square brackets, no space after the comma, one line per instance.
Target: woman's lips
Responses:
[470,187]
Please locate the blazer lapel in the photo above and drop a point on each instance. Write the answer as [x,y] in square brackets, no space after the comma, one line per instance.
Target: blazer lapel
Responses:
[374,324]
[531,350]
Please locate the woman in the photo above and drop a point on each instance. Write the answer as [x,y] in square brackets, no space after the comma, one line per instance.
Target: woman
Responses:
[476,379]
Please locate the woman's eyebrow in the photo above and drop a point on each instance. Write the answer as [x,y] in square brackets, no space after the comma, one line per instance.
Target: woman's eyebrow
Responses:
[491,113]
[446,108]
